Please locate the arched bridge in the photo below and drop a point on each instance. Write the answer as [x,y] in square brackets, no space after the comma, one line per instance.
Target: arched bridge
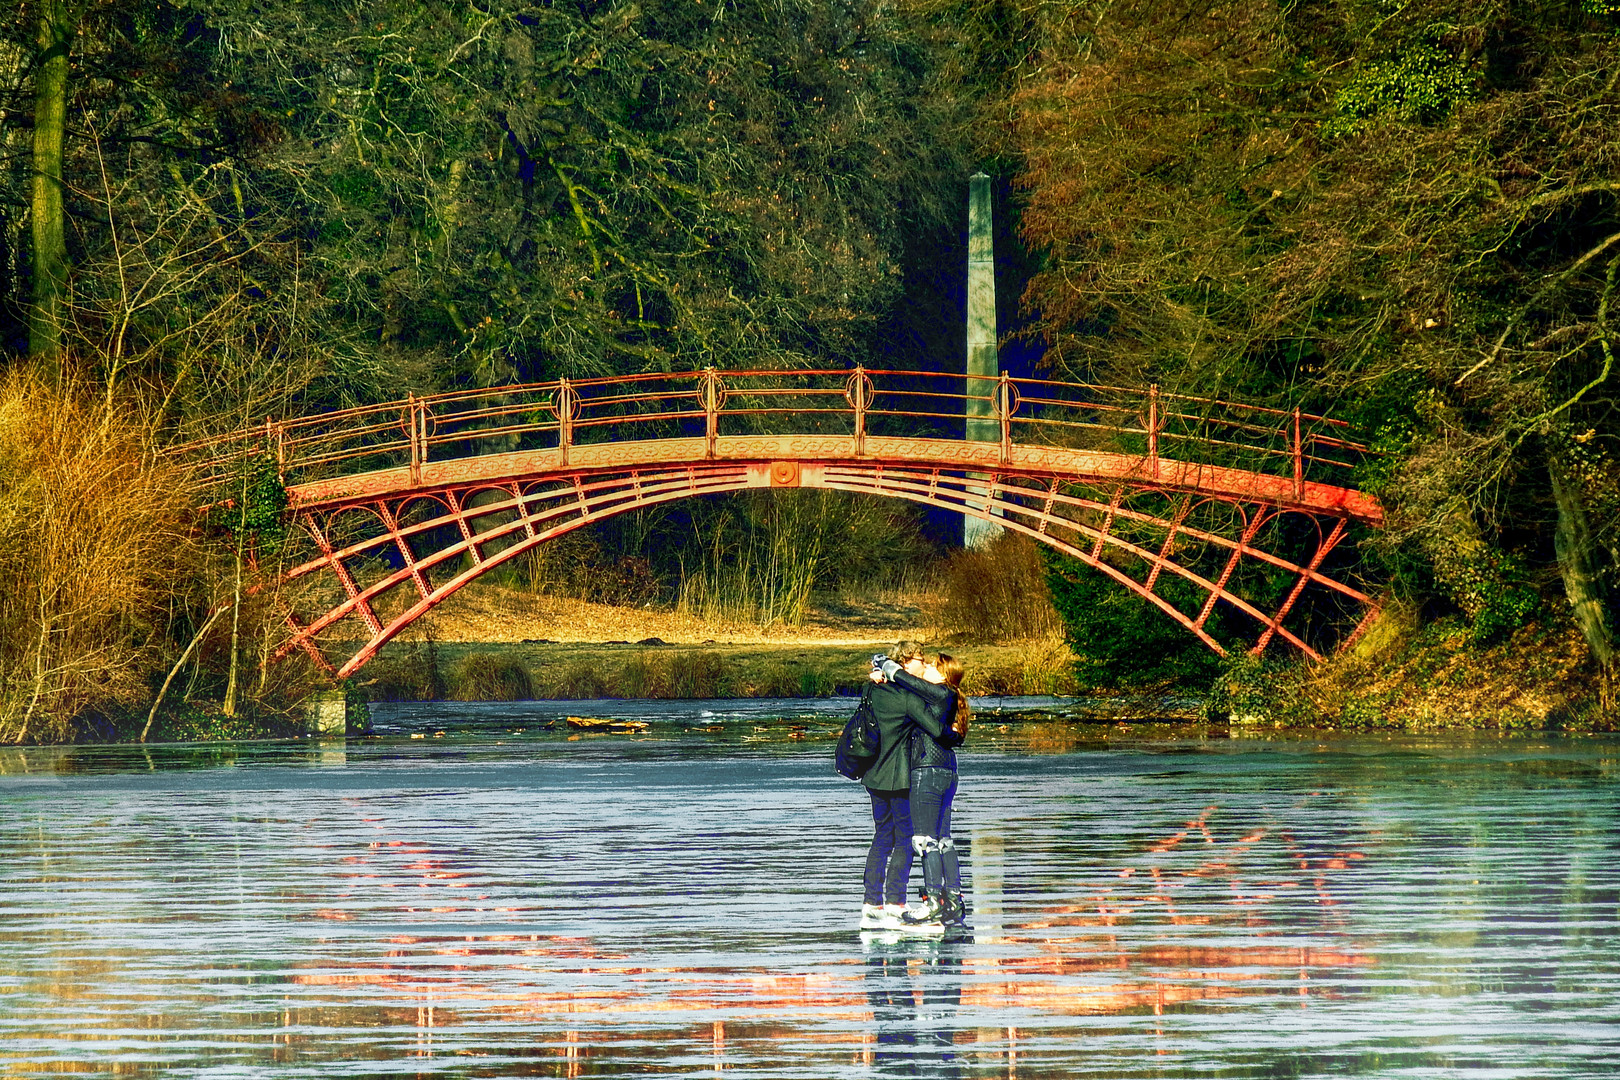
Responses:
[1205,508]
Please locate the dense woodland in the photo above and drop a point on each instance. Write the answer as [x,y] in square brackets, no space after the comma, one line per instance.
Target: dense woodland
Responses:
[1400,211]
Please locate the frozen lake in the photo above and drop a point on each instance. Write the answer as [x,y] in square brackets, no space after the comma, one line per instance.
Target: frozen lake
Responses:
[512,899]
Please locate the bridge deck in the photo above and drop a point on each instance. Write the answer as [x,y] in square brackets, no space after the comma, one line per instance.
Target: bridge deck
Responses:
[808,450]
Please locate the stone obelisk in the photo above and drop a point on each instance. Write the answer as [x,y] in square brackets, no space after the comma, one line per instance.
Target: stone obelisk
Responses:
[983,363]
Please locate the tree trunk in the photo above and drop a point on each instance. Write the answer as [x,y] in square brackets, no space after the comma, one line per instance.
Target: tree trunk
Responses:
[230,706]
[163,690]
[231,681]
[1580,561]
[54,32]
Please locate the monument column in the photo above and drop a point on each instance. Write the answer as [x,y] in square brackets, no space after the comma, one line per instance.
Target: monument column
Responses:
[983,363]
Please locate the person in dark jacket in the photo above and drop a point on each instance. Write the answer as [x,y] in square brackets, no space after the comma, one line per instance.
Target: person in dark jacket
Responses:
[932,750]
[887,781]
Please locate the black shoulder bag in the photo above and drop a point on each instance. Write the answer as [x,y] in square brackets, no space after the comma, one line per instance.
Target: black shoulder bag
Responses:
[859,744]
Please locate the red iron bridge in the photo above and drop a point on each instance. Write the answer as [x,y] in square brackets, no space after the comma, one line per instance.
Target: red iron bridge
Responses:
[403,503]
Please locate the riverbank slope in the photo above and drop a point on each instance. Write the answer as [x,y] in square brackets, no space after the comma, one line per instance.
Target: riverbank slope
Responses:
[505,643]
[1410,675]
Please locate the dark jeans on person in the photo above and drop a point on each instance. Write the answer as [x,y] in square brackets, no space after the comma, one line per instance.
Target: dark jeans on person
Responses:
[932,792]
[888,862]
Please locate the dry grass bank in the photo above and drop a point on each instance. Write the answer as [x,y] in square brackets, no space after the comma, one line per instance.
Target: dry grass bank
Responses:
[492,613]
[491,642]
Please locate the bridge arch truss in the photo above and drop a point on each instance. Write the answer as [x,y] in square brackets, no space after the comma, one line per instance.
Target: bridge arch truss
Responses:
[404,504]
[390,560]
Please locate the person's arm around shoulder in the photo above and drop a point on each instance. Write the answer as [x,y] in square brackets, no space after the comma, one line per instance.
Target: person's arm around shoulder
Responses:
[937,699]
[937,695]
[940,705]
[926,716]
[928,705]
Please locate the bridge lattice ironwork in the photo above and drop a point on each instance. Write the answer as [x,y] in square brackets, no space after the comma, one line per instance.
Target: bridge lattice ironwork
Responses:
[405,502]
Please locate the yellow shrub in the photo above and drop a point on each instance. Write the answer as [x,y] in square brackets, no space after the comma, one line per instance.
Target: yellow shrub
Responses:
[93,529]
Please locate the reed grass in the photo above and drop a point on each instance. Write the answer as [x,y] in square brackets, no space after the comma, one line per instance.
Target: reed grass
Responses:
[412,672]
[696,675]
[900,584]
[790,679]
[645,675]
[766,580]
[997,593]
[758,558]
[1043,666]
[580,679]
[484,676]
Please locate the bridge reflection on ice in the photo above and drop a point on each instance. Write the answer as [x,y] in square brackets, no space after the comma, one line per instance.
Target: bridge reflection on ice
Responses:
[490,904]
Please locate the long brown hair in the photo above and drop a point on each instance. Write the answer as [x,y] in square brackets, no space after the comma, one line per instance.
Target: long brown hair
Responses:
[952,670]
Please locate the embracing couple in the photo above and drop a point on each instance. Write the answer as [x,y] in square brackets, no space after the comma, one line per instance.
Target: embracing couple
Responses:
[922,717]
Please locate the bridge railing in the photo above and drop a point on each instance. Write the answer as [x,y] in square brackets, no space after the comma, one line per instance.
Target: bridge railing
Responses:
[858,404]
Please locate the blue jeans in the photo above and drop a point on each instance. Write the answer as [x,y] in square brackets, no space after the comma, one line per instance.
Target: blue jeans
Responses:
[888,862]
[932,792]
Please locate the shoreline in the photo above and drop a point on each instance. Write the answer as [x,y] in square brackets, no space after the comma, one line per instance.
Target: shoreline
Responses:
[1015,731]
[1405,677]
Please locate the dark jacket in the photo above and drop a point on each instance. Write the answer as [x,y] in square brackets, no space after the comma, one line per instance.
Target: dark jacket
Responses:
[932,742]
[898,711]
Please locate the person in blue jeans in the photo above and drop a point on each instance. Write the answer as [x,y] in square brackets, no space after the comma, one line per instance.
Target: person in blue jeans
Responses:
[887,781]
[933,781]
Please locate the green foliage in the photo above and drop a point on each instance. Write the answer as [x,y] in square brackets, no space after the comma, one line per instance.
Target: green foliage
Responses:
[1257,690]
[1119,639]
[196,721]
[1389,416]
[357,706]
[255,507]
[1493,590]
[1421,85]
[322,208]
[587,189]
[1366,712]
[264,505]
[1443,278]
[1592,467]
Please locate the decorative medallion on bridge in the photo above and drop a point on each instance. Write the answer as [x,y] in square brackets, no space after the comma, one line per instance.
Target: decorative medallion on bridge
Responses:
[784,474]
